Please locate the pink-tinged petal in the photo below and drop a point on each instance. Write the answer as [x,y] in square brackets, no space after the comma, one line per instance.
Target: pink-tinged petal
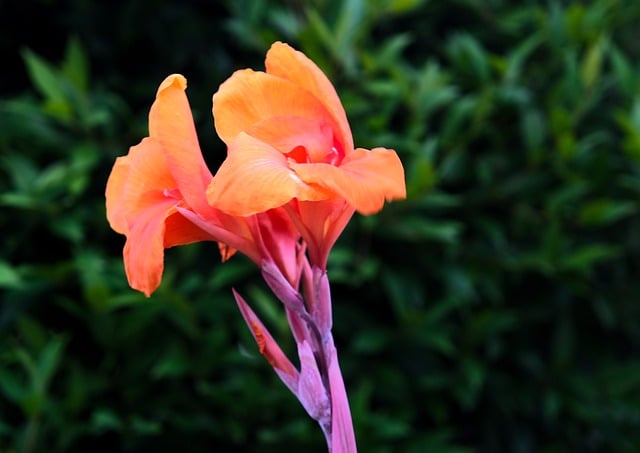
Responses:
[230,232]
[268,347]
[249,97]
[321,223]
[254,178]
[290,64]
[278,239]
[365,178]
[171,123]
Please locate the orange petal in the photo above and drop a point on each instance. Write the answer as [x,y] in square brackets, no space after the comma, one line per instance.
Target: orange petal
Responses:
[142,171]
[254,178]
[180,231]
[157,226]
[144,249]
[365,178]
[286,133]
[283,61]
[171,122]
[114,194]
[250,97]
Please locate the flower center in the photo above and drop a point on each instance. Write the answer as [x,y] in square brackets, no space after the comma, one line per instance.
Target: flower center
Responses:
[303,155]
[172,193]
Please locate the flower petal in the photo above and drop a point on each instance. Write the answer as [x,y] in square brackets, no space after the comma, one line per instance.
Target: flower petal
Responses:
[255,177]
[114,194]
[278,238]
[321,223]
[249,97]
[290,64]
[171,122]
[156,227]
[144,249]
[139,205]
[143,170]
[285,133]
[181,231]
[365,178]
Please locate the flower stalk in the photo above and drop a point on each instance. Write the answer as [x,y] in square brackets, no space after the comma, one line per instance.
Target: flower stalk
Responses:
[318,384]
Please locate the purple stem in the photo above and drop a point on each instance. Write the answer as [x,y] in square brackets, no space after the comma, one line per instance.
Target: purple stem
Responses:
[320,371]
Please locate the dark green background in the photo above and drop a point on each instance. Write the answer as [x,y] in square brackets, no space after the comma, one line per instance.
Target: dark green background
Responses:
[496,310]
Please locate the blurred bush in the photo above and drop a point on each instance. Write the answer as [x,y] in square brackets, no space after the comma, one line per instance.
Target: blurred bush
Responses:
[497,309]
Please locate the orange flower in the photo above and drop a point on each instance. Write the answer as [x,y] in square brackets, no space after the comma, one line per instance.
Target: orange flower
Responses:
[156,197]
[144,189]
[289,144]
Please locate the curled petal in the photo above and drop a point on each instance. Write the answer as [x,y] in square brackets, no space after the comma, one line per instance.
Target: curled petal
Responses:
[285,62]
[254,178]
[171,123]
[365,179]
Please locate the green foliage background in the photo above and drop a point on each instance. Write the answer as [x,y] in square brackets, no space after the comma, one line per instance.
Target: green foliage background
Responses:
[496,310]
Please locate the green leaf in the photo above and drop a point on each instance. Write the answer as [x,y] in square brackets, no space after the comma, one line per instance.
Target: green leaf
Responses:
[592,63]
[104,419]
[467,53]
[48,362]
[12,387]
[349,23]
[44,76]
[48,81]
[75,65]
[415,228]
[403,6]
[516,60]
[589,255]
[605,211]
[9,276]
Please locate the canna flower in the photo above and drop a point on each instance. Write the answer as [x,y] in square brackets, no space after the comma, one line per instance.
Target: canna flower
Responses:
[156,197]
[290,145]
[290,183]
